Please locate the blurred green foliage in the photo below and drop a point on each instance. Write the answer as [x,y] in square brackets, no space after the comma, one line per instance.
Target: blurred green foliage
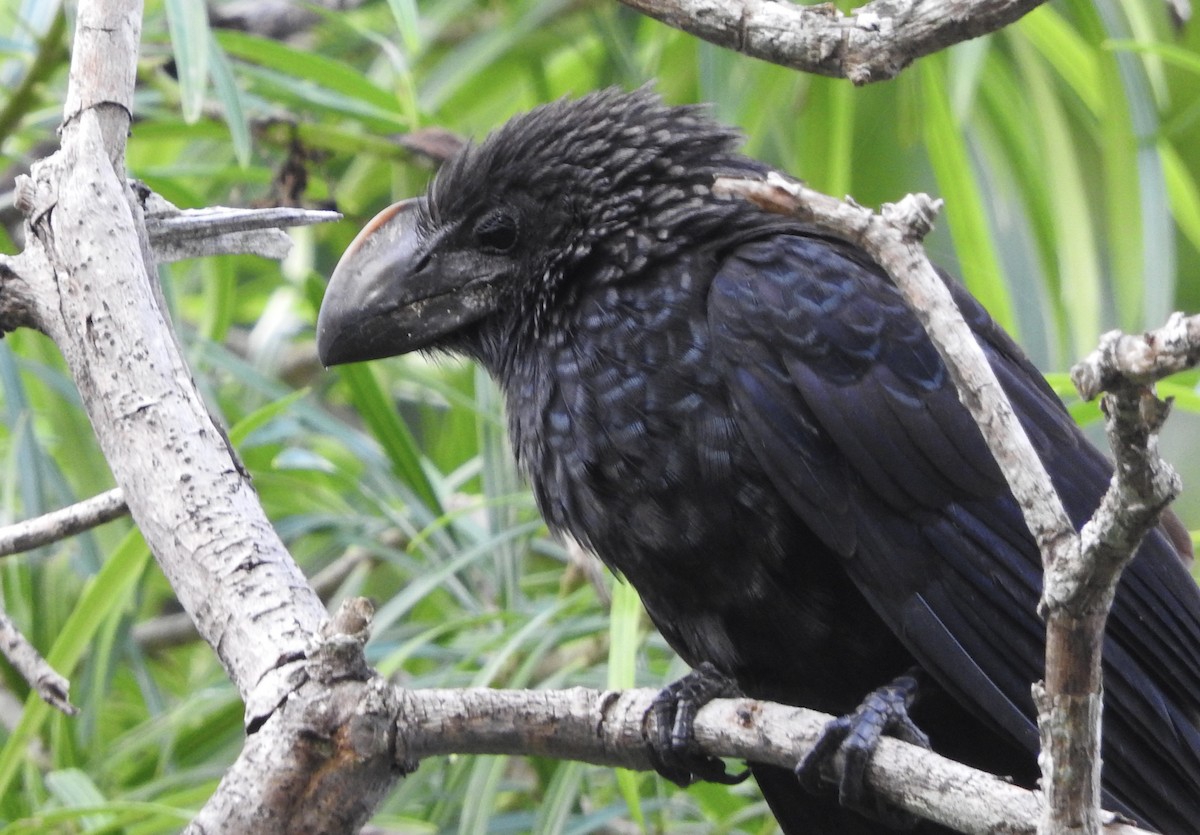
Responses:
[1067,148]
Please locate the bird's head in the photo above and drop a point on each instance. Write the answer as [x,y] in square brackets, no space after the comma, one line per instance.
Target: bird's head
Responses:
[573,194]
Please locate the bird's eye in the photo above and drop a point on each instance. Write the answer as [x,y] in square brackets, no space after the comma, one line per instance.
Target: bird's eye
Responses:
[497,230]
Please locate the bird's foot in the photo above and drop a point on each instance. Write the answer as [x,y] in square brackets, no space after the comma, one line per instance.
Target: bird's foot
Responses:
[855,736]
[674,711]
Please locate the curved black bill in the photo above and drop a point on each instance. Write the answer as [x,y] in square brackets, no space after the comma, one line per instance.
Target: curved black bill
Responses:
[358,318]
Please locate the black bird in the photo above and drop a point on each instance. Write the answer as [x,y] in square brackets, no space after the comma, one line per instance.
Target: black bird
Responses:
[743,418]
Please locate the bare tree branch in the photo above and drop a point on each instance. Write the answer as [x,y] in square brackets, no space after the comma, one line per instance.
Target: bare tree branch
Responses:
[1078,586]
[176,233]
[19,275]
[872,43]
[322,761]
[185,488]
[1140,360]
[357,722]
[610,728]
[46,682]
[60,524]
[1079,593]
[91,290]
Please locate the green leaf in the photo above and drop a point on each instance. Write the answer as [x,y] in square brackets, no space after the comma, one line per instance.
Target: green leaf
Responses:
[408,22]
[624,632]
[123,816]
[1072,57]
[841,140]
[393,435]
[1138,225]
[499,479]
[1185,397]
[260,417]
[1080,285]
[75,789]
[487,773]
[1170,53]
[220,298]
[420,586]
[1184,195]
[105,593]
[187,21]
[470,63]
[624,639]
[964,200]
[1015,154]
[308,96]
[562,795]
[331,75]
[231,101]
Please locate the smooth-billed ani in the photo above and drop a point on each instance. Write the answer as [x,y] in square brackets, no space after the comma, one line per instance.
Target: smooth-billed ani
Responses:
[743,418]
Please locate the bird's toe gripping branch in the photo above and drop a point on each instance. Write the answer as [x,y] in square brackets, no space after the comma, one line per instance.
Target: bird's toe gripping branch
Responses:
[674,711]
[855,736]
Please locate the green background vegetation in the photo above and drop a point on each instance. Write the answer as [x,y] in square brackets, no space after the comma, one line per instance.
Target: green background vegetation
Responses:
[1067,149]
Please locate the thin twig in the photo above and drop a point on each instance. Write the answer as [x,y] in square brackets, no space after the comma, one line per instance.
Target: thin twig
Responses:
[27,661]
[1142,487]
[1141,359]
[60,524]
[176,233]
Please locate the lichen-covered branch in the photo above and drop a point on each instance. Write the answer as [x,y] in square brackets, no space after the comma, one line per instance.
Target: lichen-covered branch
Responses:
[873,42]
[1123,360]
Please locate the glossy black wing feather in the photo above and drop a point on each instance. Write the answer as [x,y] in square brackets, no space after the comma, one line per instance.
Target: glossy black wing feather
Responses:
[852,414]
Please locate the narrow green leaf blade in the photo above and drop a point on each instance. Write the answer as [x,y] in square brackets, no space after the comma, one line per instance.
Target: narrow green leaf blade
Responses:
[624,639]
[187,21]
[393,435]
[964,200]
[104,593]
[328,73]
[1185,196]
[259,417]
[231,101]
[408,22]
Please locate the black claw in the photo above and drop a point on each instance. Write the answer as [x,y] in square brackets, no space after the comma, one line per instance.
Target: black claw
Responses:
[856,736]
[674,711]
